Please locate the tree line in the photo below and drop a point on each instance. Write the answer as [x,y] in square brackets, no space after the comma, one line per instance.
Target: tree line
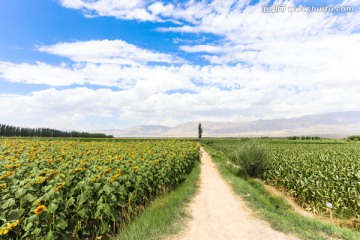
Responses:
[304,138]
[354,138]
[12,131]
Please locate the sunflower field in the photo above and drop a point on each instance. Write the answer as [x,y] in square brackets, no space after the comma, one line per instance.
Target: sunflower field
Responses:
[71,189]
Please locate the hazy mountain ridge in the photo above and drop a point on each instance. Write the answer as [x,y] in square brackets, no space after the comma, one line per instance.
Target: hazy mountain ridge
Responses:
[327,125]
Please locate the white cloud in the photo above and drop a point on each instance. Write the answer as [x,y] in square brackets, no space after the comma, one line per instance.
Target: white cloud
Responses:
[39,73]
[201,48]
[297,81]
[148,79]
[249,24]
[316,53]
[158,8]
[155,11]
[263,66]
[75,108]
[108,51]
[64,109]
[122,9]
[204,15]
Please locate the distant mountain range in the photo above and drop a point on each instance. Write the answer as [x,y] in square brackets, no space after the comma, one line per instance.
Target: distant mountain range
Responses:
[339,124]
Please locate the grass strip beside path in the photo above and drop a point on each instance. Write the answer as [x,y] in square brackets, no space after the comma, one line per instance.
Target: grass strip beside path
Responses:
[166,214]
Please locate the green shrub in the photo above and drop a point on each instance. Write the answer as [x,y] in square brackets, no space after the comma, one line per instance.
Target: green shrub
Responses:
[253,159]
[354,138]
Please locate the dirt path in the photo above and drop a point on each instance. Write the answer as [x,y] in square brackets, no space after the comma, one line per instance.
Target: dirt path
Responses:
[218,214]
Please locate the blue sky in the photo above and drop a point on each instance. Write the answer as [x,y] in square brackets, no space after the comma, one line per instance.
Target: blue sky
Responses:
[90,65]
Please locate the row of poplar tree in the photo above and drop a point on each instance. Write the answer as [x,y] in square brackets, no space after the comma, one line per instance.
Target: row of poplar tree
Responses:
[11,131]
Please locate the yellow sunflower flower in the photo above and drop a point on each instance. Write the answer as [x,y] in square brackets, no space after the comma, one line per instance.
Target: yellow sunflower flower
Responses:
[118,172]
[77,170]
[107,171]
[39,209]
[135,168]
[94,179]
[60,186]
[41,179]
[7,175]
[14,224]
[3,186]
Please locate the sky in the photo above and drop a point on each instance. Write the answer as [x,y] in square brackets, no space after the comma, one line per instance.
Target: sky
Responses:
[111,64]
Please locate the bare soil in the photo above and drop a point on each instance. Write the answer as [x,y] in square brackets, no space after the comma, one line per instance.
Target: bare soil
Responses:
[347,223]
[218,214]
[290,201]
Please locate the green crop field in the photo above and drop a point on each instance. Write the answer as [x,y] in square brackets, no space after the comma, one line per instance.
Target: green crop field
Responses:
[313,172]
[67,189]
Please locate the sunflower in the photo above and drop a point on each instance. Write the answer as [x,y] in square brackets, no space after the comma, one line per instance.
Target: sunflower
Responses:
[12,166]
[118,172]
[53,172]
[135,168]
[60,186]
[41,179]
[14,224]
[4,232]
[7,175]
[77,170]
[39,209]
[94,179]
[3,186]
[107,171]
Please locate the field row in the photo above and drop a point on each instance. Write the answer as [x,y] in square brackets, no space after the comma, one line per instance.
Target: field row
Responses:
[314,174]
[84,189]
